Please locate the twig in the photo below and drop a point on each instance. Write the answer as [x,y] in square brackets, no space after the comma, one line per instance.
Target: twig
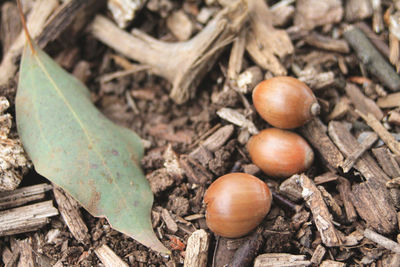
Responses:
[382,241]
[371,58]
[18,197]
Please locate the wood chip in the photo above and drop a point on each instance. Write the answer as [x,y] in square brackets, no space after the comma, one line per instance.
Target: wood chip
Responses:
[10,26]
[196,253]
[330,201]
[364,146]
[344,189]
[321,216]
[315,133]
[374,205]
[108,257]
[236,56]
[361,102]
[389,101]
[331,263]
[169,221]
[18,197]
[26,253]
[386,137]
[195,172]
[312,13]
[281,260]
[318,255]
[69,210]
[325,178]
[238,119]
[327,43]
[291,188]
[387,161]
[180,25]
[347,143]
[27,218]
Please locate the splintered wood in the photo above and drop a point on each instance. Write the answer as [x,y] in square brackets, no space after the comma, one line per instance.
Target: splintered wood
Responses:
[71,214]
[321,215]
[108,257]
[197,249]
[281,260]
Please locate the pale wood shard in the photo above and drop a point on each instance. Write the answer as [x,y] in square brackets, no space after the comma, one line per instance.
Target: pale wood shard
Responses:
[344,189]
[347,143]
[374,205]
[358,10]
[172,226]
[36,20]
[354,156]
[69,209]
[361,102]
[312,13]
[331,263]
[321,216]
[18,197]
[386,137]
[238,119]
[219,138]
[382,241]
[27,218]
[281,260]
[394,118]
[108,257]
[315,133]
[236,56]
[265,44]
[196,253]
[192,59]
[389,101]
[318,255]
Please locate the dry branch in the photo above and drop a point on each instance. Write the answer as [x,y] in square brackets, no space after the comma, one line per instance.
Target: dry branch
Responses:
[183,64]
[382,241]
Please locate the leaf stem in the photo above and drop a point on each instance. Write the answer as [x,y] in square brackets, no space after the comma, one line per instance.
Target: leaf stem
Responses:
[28,37]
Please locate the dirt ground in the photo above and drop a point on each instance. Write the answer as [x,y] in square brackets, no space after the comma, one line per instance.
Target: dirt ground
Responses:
[195,134]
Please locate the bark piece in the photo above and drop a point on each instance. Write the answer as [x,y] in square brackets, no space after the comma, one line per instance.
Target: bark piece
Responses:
[71,214]
[215,141]
[246,253]
[371,58]
[318,255]
[10,25]
[291,188]
[321,216]
[347,143]
[248,80]
[387,161]
[27,218]
[354,156]
[315,133]
[195,172]
[361,102]
[18,197]
[108,257]
[344,189]
[191,59]
[281,260]
[382,241]
[237,118]
[312,13]
[180,25]
[394,118]
[389,101]
[236,57]
[374,205]
[196,253]
[386,137]
[327,43]
[264,43]
[160,180]
[325,178]
[330,201]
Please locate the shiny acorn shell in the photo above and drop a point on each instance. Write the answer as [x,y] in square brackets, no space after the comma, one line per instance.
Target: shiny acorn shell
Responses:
[280,153]
[236,204]
[285,102]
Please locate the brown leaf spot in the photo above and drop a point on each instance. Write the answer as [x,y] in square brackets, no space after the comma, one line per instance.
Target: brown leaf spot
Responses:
[115,152]
[94,199]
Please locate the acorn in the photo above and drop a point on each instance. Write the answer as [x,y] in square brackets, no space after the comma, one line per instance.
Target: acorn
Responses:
[285,102]
[280,153]
[236,204]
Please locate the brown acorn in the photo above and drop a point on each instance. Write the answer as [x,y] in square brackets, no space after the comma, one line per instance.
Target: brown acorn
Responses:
[285,102]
